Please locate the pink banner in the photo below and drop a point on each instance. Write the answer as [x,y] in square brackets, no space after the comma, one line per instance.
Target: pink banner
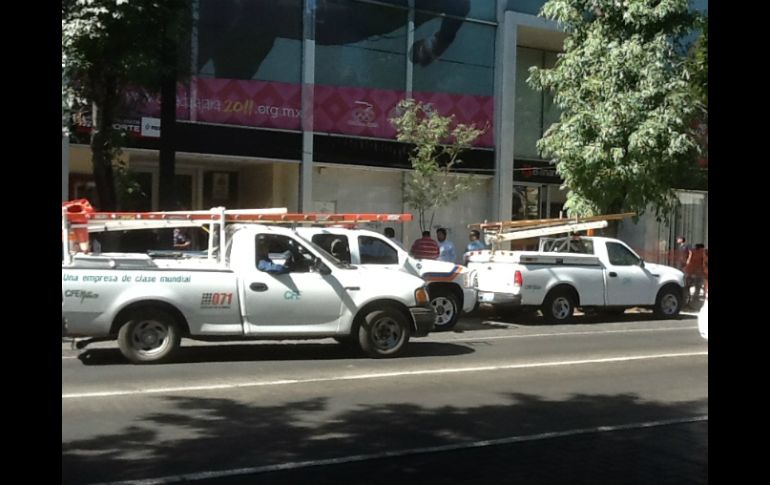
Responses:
[336,109]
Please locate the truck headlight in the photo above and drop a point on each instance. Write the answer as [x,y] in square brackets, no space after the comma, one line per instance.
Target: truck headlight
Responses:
[421,296]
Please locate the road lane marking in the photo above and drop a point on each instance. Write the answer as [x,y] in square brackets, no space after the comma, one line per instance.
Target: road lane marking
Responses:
[380,375]
[207,475]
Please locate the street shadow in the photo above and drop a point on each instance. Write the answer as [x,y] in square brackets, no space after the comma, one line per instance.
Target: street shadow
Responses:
[495,319]
[257,352]
[194,434]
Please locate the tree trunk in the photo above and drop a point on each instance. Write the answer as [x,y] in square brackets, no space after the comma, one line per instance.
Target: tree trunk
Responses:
[101,154]
[167,186]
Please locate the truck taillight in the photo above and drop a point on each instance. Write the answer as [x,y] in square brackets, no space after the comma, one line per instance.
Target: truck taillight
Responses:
[517,279]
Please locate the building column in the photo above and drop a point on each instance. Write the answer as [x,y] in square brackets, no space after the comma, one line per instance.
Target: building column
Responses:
[308,87]
[505,101]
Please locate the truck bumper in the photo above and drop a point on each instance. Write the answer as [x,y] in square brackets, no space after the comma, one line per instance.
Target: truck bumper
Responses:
[469,300]
[494,298]
[424,320]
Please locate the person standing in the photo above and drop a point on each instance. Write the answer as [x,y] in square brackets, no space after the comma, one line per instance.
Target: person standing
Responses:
[693,273]
[446,248]
[475,244]
[682,252]
[425,247]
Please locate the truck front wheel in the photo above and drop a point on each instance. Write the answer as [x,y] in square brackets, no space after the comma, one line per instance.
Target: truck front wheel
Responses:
[447,307]
[558,307]
[149,336]
[384,333]
[669,302]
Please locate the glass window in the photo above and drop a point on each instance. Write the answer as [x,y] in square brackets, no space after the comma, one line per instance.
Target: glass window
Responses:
[528,120]
[452,56]
[476,9]
[531,7]
[254,39]
[335,245]
[620,255]
[551,112]
[360,45]
[285,251]
[375,251]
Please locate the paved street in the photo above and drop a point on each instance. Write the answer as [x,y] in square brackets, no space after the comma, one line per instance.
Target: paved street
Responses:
[498,400]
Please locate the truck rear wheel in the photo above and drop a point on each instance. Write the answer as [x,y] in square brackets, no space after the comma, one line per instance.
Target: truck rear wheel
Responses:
[149,336]
[447,307]
[384,333]
[558,306]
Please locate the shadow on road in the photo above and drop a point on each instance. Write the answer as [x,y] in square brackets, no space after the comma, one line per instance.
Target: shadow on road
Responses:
[193,434]
[256,352]
[490,319]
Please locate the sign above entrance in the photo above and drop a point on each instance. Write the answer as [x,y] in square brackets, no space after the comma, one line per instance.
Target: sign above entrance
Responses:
[534,171]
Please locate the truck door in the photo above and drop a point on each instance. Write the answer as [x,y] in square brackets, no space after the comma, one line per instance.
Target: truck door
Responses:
[291,296]
[628,283]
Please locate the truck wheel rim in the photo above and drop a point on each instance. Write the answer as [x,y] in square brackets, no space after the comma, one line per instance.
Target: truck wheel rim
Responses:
[561,308]
[150,337]
[386,333]
[445,310]
[669,304]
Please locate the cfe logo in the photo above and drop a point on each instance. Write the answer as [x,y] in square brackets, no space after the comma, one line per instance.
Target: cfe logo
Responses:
[291,295]
[82,294]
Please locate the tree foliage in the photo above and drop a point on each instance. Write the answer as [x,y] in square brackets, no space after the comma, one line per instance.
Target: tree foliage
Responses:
[109,46]
[438,142]
[626,137]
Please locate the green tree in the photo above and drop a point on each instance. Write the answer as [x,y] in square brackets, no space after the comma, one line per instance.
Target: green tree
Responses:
[109,46]
[438,142]
[699,66]
[626,137]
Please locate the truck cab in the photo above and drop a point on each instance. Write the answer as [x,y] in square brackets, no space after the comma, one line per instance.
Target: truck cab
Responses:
[450,285]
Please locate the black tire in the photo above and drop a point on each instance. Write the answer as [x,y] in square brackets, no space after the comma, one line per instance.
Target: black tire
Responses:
[383,333]
[558,307]
[668,303]
[149,336]
[447,306]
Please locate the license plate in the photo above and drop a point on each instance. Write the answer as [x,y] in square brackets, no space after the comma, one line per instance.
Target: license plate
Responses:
[483,296]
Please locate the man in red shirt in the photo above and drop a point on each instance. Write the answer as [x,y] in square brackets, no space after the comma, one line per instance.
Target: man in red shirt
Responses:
[425,247]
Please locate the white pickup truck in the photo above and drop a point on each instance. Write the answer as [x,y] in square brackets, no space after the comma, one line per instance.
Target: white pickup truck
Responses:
[149,304]
[450,285]
[597,273]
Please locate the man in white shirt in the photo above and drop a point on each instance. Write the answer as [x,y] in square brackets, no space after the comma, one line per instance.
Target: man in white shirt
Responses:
[446,248]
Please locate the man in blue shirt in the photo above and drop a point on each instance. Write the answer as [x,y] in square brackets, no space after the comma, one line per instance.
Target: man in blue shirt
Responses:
[264,263]
[475,244]
[446,248]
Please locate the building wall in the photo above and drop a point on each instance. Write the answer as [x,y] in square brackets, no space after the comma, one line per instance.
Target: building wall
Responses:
[256,186]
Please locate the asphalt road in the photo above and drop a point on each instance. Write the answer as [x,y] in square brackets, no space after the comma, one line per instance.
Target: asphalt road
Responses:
[620,400]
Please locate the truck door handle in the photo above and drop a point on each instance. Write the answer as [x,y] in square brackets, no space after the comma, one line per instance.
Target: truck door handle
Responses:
[258,287]
[613,274]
